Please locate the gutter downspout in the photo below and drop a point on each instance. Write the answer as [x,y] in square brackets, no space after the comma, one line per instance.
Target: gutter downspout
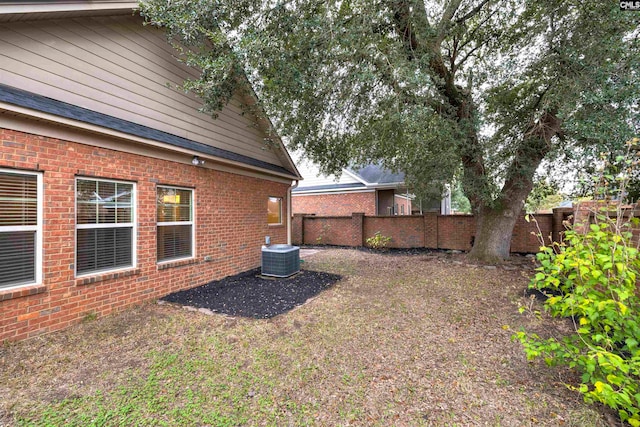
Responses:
[289,212]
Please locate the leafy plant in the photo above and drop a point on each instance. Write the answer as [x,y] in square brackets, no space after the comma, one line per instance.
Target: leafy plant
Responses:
[378,241]
[323,233]
[592,279]
[90,316]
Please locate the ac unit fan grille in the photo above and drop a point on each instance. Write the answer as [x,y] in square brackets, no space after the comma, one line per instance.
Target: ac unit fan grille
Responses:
[280,260]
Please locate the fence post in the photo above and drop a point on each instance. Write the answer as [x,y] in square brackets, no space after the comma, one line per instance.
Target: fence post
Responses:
[430,230]
[357,229]
[297,229]
[557,222]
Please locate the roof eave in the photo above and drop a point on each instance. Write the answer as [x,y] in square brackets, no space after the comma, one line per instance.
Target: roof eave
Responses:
[21,7]
[386,185]
[72,123]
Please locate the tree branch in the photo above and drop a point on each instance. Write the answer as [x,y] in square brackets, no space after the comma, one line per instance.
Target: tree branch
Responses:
[536,144]
[445,21]
[472,12]
[470,36]
[467,55]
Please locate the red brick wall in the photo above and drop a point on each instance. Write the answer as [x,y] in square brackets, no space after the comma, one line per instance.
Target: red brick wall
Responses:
[405,231]
[328,231]
[456,231]
[335,204]
[525,234]
[429,231]
[230,216]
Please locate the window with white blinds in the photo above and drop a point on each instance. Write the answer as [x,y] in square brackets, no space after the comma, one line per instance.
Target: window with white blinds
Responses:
[105,232]
[175,233]
[20,228]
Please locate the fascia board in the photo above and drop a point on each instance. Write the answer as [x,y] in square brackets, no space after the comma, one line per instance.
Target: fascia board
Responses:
[19,7]
[356,177]
[330,191]
[386,186]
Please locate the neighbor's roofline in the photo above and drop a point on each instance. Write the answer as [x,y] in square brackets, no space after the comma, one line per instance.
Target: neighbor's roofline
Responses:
[378,185]
[64,6]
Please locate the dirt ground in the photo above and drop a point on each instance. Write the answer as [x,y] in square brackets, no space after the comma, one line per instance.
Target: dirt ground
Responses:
[402,339]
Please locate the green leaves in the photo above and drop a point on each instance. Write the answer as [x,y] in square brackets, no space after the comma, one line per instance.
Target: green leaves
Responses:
[592,280]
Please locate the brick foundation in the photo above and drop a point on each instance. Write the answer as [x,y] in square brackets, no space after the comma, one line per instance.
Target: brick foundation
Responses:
[230,219]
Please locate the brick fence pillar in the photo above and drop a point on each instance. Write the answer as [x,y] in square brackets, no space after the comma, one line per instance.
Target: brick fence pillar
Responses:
[557,222]
[431,230]
[297,229]
[357,229]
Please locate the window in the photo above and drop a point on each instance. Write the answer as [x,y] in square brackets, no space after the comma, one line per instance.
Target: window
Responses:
[20,228]
[105,234]
[175,237]
[274,211]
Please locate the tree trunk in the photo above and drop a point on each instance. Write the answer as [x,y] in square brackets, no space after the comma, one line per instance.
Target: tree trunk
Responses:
[494,228]
[495,221]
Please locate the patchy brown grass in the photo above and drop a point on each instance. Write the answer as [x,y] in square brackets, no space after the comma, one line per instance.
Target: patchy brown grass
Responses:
[403,340]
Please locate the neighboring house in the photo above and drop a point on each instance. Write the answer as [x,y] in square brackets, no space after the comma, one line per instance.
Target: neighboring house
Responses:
[114,189]
[371,190]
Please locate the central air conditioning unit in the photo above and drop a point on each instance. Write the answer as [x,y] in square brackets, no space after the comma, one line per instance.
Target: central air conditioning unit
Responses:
[280,260]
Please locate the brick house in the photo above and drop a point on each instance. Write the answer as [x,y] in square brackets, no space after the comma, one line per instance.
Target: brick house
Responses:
[371,190]
[114,188]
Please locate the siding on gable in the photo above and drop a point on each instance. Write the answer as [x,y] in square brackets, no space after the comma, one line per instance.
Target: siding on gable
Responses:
[118,66]
[312,176]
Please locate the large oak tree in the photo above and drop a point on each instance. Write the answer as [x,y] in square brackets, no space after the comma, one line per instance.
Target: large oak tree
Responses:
[484,89]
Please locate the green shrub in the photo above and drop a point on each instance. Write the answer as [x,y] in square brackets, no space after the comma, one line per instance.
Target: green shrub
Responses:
[378,241]
[592,278]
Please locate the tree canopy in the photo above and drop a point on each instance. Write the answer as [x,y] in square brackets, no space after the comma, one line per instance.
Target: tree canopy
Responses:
[482,89]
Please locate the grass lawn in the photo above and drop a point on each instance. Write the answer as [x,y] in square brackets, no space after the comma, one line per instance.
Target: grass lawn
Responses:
[402,340]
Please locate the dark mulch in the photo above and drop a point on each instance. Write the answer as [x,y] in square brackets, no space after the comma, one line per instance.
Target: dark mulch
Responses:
[251,295]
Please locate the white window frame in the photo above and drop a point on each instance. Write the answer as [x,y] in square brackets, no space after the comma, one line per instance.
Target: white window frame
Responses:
[274,224]
[192,223]
[37,228]
[132,224]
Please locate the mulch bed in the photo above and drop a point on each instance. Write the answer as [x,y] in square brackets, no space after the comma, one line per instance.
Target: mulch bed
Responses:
[251,295]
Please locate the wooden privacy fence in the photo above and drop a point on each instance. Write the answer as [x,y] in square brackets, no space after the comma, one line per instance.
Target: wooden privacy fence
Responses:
[430,230]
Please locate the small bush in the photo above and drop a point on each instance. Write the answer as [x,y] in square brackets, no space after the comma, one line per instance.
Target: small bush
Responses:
[592,278]
[378,241]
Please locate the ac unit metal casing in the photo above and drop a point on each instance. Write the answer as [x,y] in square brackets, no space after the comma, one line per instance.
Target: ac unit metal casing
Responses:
[280,260]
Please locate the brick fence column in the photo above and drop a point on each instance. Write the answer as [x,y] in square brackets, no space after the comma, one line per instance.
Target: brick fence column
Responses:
[557,222]
[431,230]
[357,229]
[297,229]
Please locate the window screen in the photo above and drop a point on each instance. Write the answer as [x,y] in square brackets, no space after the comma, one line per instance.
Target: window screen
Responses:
[104,225]
[175,223]
[19,228]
